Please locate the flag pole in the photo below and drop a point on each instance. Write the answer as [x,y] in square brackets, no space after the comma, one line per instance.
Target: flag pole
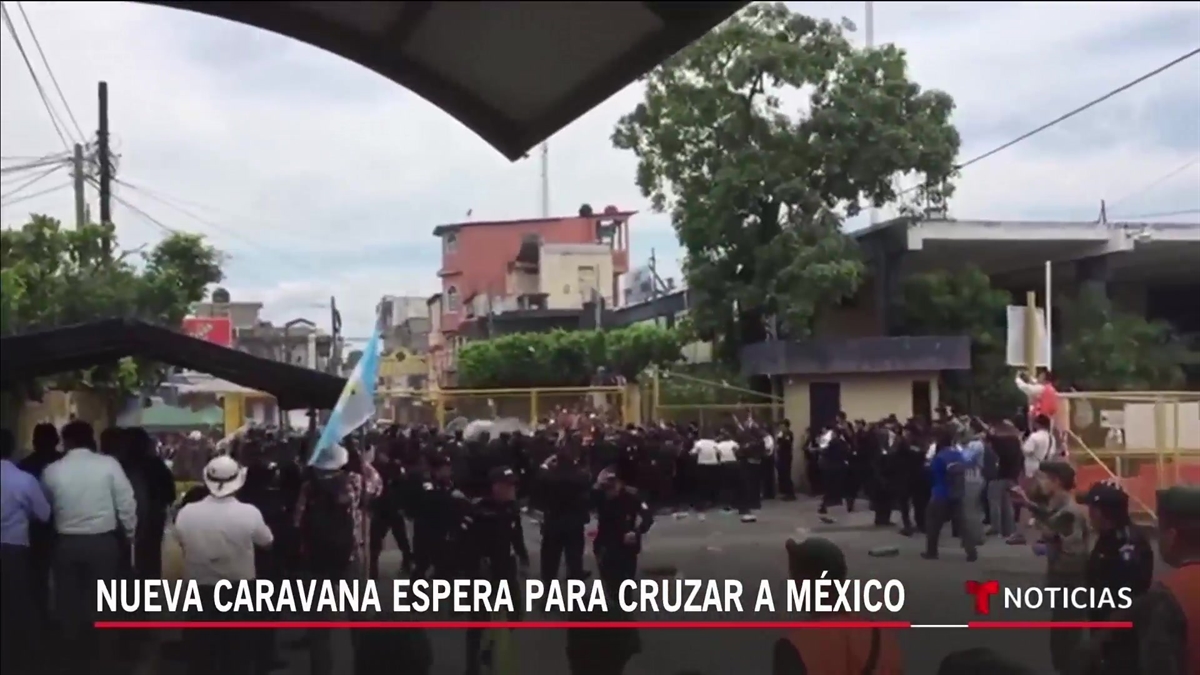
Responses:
[1049,304]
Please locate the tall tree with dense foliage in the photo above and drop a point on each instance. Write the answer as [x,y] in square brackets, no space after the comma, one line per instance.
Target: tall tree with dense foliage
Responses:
[565,358]
[1107,349]
[758,139]
[963,302]
[56,276]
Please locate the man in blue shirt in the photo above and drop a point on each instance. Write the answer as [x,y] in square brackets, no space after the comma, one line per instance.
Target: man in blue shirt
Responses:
[21,501]
[947,473]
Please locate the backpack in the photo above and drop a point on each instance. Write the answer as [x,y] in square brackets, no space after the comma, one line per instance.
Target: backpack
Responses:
[956,480]
[329,522]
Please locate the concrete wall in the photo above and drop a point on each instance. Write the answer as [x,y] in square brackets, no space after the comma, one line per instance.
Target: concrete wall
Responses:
[864,396]
[567,270]
[521,282]
[241,314]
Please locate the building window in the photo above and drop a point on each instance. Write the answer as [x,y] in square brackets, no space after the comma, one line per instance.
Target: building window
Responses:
[450,243]
[452,299]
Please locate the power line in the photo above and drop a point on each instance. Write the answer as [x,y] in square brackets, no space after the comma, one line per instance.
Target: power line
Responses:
[1064,117]
[154,221]
[220,228]
[39,193]
[61,159]
[1156,182]
[50,71]
[31,181]
[1163,214]
[37,83]
[1087,106]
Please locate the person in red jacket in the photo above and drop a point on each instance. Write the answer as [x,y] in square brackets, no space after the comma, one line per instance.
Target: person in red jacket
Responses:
[1043,400]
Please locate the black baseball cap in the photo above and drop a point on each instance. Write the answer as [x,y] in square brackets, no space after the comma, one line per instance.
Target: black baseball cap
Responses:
[1107,495]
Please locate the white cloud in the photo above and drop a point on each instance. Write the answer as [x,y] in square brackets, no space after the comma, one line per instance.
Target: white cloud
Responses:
[322,178]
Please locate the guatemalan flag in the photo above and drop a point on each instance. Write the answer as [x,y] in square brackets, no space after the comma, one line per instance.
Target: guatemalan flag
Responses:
[357,403]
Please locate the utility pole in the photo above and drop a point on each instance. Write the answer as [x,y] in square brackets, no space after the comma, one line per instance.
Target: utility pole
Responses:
[80,197]
[869,35]
[545,180]
[335,338]
[105,159]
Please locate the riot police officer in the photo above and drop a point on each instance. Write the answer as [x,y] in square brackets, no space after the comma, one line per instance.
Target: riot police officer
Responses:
[1121,556]
[435,521]
[563,492]
[493,547]
[623,519]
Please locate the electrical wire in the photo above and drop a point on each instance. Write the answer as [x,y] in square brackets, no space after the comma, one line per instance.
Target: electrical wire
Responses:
[36,164]
[39,193]
[1163,214]
[50,71]
[151,219]
[206,222]
[31,181]
[1156,182]
[1066,116]
[37,83]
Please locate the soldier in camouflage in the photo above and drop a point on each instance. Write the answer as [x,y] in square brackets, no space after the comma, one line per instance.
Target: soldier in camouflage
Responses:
[1068,536]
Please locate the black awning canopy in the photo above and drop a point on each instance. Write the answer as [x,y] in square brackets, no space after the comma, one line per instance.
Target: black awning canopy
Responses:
[513,72]
[48,352]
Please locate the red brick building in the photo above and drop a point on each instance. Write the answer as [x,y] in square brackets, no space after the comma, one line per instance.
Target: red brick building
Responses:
[479,259]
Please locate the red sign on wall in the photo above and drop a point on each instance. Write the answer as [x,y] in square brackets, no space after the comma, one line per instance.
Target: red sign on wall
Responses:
[217,330]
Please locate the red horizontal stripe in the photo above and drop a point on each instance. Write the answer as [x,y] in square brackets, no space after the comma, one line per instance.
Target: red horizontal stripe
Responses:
[516,625]
[1048,625]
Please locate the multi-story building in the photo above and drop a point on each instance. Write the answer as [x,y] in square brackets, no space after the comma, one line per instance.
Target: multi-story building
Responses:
[407,318]
[546,263]
[299,341]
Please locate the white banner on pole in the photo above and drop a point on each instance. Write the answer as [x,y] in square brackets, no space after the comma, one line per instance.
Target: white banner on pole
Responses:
[1015,346]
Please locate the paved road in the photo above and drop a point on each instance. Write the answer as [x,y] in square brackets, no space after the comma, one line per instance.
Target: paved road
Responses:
[722,547]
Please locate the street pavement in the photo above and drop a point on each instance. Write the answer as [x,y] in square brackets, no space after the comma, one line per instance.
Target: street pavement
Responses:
[719,546]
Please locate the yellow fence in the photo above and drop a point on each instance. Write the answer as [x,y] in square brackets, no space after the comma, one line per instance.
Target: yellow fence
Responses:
[757,405]
[717,414]
[1145,440]
[534,405]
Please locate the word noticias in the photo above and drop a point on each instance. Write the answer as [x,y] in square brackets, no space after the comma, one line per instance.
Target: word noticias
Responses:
[1048,597]
[688,596]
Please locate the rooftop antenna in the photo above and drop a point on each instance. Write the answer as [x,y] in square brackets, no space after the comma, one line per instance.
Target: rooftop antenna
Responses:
[545,152]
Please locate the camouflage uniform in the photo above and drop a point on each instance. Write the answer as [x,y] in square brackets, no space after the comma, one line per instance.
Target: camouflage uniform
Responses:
[1068,544]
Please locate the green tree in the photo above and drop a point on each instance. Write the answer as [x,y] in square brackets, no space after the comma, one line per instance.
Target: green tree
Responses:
[756,193]
[963,302]
[565,358]
[55,276]
[1106,349]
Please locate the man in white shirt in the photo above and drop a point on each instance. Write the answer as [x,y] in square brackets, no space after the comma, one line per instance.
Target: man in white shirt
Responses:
[708,473]
[1036,448]
[95,514]
[218,535]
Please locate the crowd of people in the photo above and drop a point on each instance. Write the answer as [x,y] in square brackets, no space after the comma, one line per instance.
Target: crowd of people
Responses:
[78,508]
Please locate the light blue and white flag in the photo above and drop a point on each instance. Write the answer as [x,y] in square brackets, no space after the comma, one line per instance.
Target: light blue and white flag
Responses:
[357,403]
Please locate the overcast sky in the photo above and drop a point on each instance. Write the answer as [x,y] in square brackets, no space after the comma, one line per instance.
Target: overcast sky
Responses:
[321,178]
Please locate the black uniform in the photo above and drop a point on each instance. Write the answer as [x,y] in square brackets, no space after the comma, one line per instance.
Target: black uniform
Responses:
[387,515]
[784,453]
[563,491]
[435,525]
[1121,558]
[493,544]
[618,515]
